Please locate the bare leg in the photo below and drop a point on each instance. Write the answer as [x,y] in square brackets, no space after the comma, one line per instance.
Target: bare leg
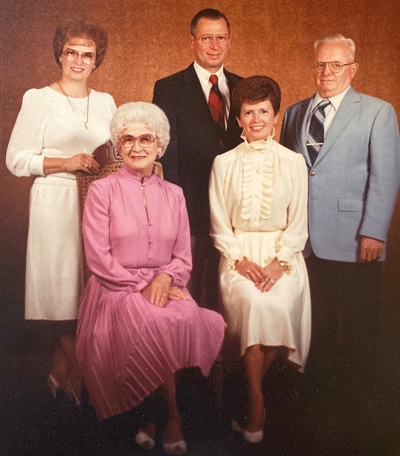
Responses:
[257,361]
[173,429]
[59,370]
[74,386]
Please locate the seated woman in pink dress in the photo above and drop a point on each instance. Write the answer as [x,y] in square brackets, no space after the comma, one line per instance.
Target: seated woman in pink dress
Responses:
[137,323]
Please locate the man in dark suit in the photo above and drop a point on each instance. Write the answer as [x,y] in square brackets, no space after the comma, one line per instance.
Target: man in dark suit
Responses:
[196,137]
[354,170]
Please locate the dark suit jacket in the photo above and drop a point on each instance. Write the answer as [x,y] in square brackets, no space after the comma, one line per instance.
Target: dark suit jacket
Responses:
[194,144]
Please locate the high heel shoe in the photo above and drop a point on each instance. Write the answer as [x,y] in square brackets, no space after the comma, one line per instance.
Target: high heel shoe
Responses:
[74,395]
[253,437]
[143,440]
[53,385]
[174,431]
[175,448]
[249,437]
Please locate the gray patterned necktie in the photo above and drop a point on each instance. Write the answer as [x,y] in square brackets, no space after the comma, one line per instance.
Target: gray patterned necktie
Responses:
[316,133]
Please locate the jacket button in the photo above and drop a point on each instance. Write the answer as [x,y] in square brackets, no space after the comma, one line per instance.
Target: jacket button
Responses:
[311,173]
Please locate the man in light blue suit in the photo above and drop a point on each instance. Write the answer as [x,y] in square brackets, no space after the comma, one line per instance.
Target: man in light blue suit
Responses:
[352,149]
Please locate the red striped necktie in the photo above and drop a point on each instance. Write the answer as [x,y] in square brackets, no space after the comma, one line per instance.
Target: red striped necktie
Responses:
[216,103]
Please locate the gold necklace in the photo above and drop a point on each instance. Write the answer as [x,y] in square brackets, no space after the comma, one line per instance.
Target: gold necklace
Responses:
[75,109]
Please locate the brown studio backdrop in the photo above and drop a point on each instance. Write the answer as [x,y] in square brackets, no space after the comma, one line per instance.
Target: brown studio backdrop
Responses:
[148,39]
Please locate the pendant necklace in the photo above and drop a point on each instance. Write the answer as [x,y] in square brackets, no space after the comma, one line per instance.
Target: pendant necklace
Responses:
[75,109]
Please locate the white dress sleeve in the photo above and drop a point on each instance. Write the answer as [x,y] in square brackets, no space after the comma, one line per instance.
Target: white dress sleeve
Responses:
[295,234]
[221,226]
[24,153]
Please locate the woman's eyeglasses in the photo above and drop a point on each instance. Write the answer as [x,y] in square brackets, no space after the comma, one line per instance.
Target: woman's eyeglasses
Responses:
[144,141]
[71,55]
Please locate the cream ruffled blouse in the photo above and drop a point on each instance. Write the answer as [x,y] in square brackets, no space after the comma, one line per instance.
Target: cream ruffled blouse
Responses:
[257,178]
[259,187]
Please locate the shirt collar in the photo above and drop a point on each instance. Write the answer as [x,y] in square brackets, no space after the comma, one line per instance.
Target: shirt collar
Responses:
[335,101]
[204,75]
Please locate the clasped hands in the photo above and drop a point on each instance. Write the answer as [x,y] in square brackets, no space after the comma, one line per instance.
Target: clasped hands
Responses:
[159,291]
[264,278]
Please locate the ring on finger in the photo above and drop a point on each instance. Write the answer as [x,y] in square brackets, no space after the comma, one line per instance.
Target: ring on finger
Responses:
[86,166]
[272,281]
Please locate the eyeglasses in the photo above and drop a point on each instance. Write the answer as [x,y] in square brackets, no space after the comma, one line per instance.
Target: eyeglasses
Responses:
[335,67]
[219,38]
[145,141]
[71,55]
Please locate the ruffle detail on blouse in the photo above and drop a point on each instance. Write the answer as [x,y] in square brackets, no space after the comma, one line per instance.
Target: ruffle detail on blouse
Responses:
[257,163]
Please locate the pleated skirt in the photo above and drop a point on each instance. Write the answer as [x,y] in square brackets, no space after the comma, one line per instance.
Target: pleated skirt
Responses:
[127,347]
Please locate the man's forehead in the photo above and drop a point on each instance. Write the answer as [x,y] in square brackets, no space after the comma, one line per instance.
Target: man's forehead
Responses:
[212,26]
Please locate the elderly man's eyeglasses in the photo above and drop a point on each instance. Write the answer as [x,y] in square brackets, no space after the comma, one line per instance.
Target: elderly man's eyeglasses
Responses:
[335,67]
[145,141]
[71,55]
[219,38]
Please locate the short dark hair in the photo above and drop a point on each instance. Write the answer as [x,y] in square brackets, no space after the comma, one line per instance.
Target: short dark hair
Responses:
[255,89]
[80,27]
[208,13]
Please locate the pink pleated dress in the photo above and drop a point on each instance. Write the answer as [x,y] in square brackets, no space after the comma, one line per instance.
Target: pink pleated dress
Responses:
[126,346]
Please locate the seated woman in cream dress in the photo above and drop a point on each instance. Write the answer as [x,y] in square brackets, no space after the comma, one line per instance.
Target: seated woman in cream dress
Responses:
[258,198]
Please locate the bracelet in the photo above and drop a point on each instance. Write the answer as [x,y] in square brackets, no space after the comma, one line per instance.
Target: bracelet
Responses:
[284,265]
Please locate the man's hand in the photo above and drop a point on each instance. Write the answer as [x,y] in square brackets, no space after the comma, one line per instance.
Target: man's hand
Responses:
[370,249]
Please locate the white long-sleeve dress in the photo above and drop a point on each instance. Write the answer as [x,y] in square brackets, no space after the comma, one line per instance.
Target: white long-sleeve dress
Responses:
[258,199]
[47,126]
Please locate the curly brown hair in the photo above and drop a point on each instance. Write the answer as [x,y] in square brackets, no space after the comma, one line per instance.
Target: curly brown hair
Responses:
[82,28]
[255,89]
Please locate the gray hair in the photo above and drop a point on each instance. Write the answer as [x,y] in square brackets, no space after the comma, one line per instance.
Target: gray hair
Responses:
[337,38]
[147,113]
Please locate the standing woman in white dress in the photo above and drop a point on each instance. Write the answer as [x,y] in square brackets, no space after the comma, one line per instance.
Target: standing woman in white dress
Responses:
[258,198]
[57,129]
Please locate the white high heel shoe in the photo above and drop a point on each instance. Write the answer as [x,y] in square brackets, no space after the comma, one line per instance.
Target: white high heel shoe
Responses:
[249,437]
[175,448]
[143,440]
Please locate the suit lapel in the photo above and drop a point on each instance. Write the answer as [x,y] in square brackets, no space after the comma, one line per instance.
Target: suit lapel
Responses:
[301,130]
[197,104]
[194,92]
[347,109]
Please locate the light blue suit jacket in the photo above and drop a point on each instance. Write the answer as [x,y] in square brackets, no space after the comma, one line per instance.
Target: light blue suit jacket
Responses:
[354,182]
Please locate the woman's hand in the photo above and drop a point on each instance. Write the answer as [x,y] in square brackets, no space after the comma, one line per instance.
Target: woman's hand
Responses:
[250,270]
[159,291]
[271,274]
[78,162]
[82,162]
[175,294]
